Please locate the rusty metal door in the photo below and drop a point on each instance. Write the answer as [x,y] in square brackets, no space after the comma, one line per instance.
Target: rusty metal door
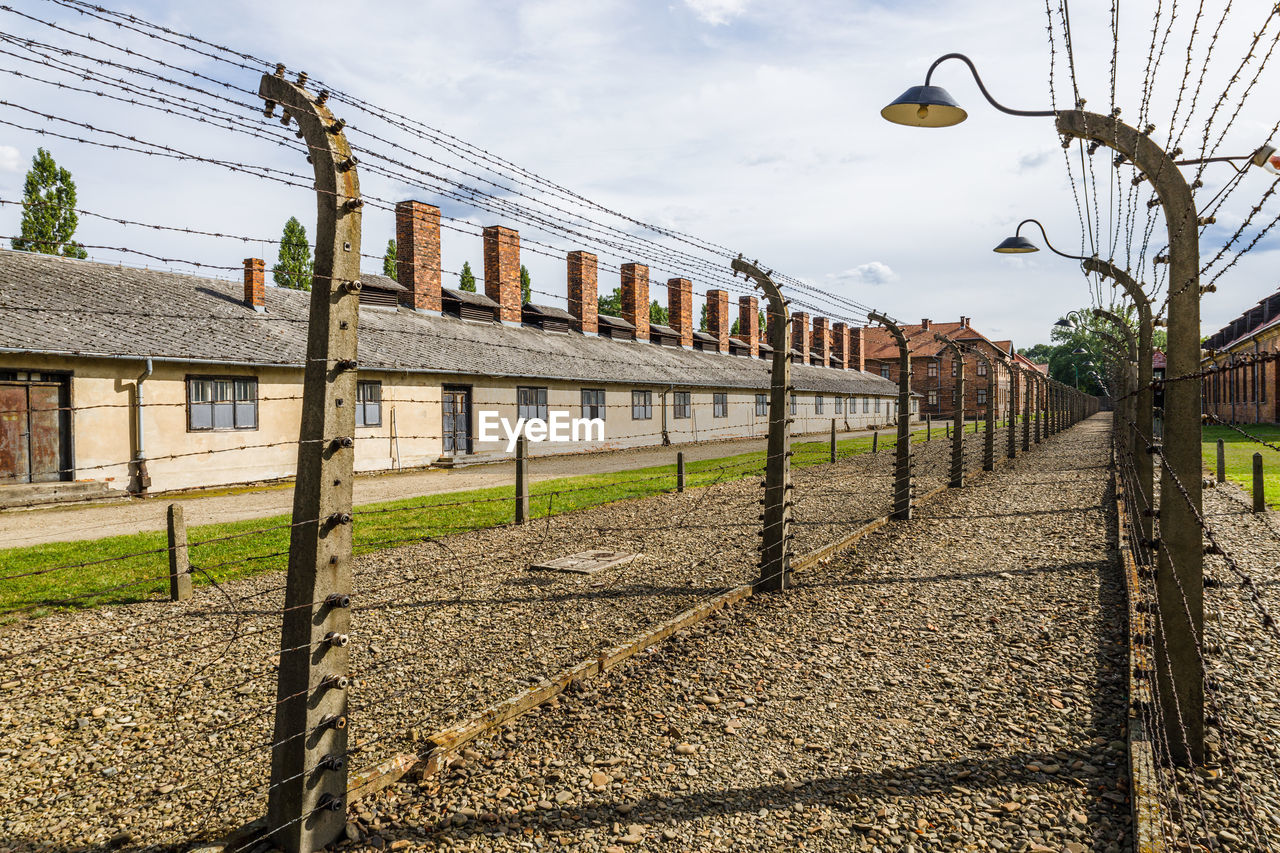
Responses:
[15,455]
[456,406]
[35,429]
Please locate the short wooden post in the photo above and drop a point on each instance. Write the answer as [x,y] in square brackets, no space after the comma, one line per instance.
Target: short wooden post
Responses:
[928,427]
[1222,462]
[1259,498]
[179,562]
[522,479]
[680,471]
[875,442]
[833,439]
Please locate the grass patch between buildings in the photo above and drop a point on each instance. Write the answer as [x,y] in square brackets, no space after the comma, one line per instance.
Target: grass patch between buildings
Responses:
[1239,451]
[134,567]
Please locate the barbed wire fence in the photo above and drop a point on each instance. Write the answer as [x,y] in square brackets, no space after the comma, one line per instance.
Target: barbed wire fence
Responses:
[386,636]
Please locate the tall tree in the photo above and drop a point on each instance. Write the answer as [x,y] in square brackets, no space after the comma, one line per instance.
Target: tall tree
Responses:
[466,278]
[526,285]
[610,305]
[702,319]
[389,259]
[293,269]
[48,210]
[658,314]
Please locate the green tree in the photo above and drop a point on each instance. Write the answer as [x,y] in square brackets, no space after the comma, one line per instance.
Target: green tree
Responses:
[526,285]
[389,259]
[702,319]
[293,269]
[610,305]
[1066,365]
[466,278]
[658,314]
[48,210]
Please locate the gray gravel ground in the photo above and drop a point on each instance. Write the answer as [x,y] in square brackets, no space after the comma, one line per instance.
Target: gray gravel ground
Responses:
[957,682]
[1234,804]
[149,724]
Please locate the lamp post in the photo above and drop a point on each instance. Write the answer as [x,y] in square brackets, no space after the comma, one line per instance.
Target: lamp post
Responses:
[1143,420]
[1180,585]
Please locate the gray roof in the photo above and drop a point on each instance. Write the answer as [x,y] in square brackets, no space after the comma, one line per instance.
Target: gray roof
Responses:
[54,305]
[462,296]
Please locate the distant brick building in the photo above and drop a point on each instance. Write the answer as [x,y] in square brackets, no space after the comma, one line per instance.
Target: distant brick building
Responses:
[933,369]
[1243,388]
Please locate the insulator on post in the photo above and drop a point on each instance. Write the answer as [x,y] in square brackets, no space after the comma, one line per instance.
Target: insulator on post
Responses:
[322,98]
[337,126]
[348,164]
[302,78]
[1206,220]
[336,639]
[345,364]
[340,518]
[1148,130]
[335,682]
[1197,184]
[279,69]
[352,204]
[338,599]
[330,803]
[352,286]
[333,721]
[345,441]
[269,108]
[332,762]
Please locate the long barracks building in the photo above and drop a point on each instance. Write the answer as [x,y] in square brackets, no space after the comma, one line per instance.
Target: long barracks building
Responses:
[128,379]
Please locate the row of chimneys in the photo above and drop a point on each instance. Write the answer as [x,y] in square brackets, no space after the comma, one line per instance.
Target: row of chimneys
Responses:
[418,271]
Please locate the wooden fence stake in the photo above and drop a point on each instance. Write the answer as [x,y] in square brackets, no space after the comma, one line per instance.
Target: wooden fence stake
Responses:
[522,480]
[1222,462]
[680,471]
[833,439]
[179,562]
[1259,497]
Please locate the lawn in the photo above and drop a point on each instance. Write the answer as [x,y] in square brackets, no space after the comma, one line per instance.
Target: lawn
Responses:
[1239,452]
[123,569]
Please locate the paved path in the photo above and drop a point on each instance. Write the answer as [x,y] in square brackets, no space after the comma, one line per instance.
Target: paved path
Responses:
[80,522]
[955,683]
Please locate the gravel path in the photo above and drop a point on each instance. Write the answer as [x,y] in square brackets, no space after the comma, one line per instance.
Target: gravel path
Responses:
[148,724]
[957,682]
[79,522]
[1234,805]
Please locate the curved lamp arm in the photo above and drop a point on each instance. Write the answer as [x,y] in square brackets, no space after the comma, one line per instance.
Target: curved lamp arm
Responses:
[1001,107]
[1036,222]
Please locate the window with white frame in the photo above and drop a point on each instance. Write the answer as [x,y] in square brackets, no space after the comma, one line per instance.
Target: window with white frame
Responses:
[222,402]
[368,404]
[593,403]
[877,405]
[866,405]
[762,404]
[641,405]
[531,402]
[839,405]
[680,405]
[884,371]
[982,396]
[794,404]
[931,370]
[817,404]
[932,398]
[982,368]
[719,405]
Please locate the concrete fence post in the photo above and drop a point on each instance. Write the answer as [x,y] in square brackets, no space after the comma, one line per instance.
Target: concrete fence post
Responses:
[522,480]
[680,471]
[1026,410]
[775,546]
[957,412]
[903,476]
[989,433]
[1259,493]
[179,562]
[307,797]
[1222,462]
[1012,435]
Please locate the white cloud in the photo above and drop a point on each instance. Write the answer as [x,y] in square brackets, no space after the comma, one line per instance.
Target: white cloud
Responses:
[10,159]
[872,273]
[716,12]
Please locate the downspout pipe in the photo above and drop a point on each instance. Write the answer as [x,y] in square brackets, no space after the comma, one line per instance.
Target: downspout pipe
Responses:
[141,479]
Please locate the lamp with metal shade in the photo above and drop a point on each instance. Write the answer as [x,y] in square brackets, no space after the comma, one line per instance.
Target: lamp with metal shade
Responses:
[933,106]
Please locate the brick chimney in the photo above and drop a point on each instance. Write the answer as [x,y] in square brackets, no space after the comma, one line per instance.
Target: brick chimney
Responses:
[255,284]
[924,324]
[801,334]
[822,340]
[635,298]
[964,321]
[680,309]
[770,320]
[840,343]
[584,303]
[718,322]
[749,323]
[857,359]
[502,271]
[418,254]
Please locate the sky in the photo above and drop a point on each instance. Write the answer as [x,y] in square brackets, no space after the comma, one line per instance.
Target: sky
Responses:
[753,125]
